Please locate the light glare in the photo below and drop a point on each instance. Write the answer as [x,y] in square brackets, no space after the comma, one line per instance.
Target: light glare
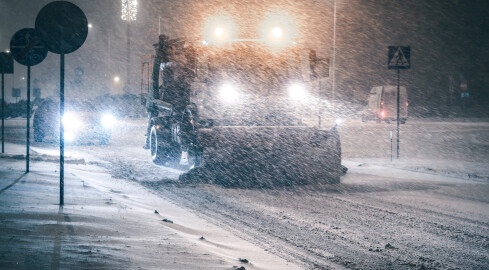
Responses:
[71,122]
[219,31]
[278,29]
[108,120]
[297,92]
[229,94]
[277,32]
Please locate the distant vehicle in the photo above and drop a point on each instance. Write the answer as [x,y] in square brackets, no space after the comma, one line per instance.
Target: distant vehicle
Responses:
[82,122]
[382,104]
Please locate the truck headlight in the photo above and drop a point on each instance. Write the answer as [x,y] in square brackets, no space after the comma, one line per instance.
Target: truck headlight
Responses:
[108,120]
[278,30]
[229,93]
[297,92]
[219,30]
[71,121]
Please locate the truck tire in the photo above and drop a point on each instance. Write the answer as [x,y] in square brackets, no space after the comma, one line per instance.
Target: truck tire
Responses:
[158,155]
[170,156]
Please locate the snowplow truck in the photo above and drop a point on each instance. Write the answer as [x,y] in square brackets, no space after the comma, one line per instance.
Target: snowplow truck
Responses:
[231,113]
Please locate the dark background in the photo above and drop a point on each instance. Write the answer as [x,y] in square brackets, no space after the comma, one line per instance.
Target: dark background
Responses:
[448,38]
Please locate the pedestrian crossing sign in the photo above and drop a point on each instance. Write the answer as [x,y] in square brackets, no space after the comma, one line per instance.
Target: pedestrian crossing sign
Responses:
[399,57]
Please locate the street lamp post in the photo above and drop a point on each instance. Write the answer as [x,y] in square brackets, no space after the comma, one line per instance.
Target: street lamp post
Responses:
[129,12]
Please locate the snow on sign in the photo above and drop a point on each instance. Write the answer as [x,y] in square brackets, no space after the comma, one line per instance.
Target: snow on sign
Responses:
[399,57]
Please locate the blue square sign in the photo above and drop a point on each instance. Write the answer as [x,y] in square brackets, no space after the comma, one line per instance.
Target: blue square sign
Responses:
[399,57]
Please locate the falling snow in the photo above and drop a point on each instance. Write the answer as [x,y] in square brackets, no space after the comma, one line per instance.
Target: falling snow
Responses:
[252,135]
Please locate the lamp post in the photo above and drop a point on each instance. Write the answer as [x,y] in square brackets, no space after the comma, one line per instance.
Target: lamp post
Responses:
[129,12]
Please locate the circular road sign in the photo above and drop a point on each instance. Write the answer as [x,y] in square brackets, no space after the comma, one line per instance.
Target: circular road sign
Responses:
[63,27]
[27,47]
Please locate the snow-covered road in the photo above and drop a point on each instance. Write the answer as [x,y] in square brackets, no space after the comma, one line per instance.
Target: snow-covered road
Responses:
[430,209]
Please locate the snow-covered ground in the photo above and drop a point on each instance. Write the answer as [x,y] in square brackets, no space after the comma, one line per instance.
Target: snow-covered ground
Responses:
[106,223]
[429,209]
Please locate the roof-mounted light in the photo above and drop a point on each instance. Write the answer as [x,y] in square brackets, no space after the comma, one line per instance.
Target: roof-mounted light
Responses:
[219,30]
[278,30]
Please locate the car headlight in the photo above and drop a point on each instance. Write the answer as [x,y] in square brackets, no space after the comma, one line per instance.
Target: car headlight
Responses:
[229,94]
[297,92]
[108,120]
[71,121]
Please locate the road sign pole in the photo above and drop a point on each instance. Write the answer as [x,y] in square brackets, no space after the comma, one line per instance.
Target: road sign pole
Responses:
[28,133]
[398,98]
[62,35]
[3,112]
[61,129]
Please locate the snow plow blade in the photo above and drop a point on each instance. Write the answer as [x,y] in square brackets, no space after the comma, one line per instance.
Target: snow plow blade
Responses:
[267,156]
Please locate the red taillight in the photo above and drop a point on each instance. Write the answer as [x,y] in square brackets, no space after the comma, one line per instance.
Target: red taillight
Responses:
[407,104]
[382,114]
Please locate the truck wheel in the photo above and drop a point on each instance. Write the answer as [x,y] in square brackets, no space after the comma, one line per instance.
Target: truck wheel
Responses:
[157,155]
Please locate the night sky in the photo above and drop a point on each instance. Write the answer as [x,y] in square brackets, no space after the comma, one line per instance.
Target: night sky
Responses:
[447,38]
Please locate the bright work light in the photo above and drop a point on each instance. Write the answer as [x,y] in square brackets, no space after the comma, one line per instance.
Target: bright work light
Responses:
[219,32]
[297,92]
[228,93]
[277,32]
[219,29]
